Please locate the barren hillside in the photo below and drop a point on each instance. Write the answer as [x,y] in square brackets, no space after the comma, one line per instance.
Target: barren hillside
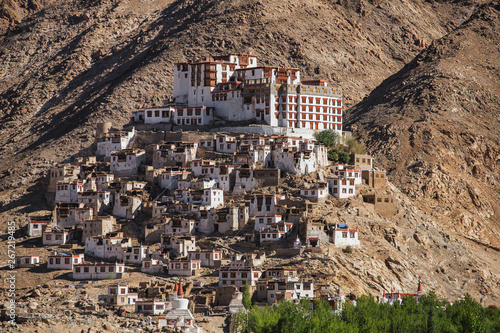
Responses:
[436,126]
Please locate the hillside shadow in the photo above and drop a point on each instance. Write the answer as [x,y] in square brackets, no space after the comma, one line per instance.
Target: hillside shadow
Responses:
[124,62]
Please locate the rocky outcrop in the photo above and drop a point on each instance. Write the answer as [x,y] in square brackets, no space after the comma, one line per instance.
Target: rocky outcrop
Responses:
[434,126]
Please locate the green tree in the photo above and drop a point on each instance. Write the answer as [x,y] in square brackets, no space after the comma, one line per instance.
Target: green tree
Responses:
[344,157]
[247,298]
[333,154]
[327,137]
[354,146]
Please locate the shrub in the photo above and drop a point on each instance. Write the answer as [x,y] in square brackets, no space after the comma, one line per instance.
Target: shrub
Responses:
[347,249]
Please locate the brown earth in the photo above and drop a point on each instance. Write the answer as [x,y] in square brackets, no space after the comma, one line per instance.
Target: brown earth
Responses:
[435,125]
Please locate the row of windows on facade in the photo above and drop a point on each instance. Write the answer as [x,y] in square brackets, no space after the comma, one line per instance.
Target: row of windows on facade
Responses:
[282,286]
[313,192]
[292,109]
[312,125]
[274,235]
[57,261]
[180,113]
[351,234]
[226,275]
[351,191]
[102,269]
[184,266]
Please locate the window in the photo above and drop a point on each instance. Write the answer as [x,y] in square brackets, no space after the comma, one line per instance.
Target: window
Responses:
[344,234]
[85,269]
[77,270]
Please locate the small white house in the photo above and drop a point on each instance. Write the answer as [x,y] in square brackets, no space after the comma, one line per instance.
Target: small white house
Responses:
[261,221]
[126,206]
[152,266]
[135,254]
[153,306]
[68,191]
[27,261]
[118,295]
[113,141]
[179,245]
[341,188]
[54,236]
[275,231]
[315,194]
[348,172]
[343,236]
[184,267]
[237,276]
[126,162]
[213,197]
[36,226]
[105,247]
[64,261]
[207,258]
[98,271]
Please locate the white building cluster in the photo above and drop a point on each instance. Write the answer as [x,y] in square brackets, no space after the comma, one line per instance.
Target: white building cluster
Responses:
[181,191]
[234,87]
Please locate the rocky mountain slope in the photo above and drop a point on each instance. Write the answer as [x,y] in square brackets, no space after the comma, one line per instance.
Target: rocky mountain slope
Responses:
[435,125]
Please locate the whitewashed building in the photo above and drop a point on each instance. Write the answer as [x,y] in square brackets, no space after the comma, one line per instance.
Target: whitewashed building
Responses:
[54,236]
[341,188]
[343,236]
[112,141]
[262,204]
[36,226]
[347,172]
[126,206]
[152,266]
[315,194]
[240,90]
[135,254]
[151,306]
[126,162]
[237,276]
[285,288]
[64,261]
[261,221]
[98,271]
[275,231]
[27,261]
[107,247]
[68,191]
[183,267]
[178,245]
[207,258]
[118,295]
